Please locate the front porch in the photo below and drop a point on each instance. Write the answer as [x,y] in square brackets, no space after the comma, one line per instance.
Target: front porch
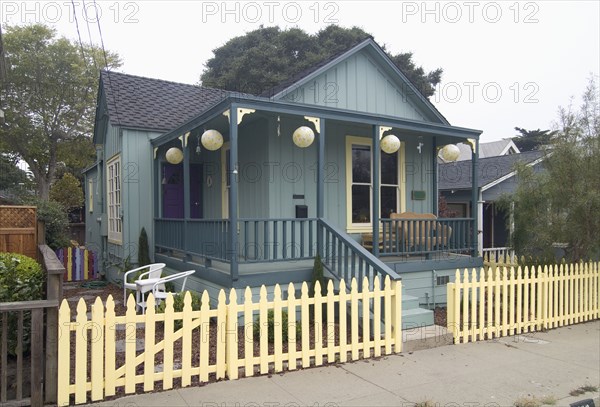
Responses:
[259,209]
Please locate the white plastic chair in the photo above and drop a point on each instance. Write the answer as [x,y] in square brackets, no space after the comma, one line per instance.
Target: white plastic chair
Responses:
[154,271]
[158,289]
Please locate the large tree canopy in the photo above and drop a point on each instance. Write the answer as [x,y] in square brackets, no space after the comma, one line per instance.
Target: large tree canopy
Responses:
[529,140]
[561,204]
[268,56]
[49,96]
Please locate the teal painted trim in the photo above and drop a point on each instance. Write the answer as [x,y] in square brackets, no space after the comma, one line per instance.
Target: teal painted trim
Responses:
[410,266]
[270,278]
[206,273]
[186,194]
[475,198]
[346,259]
[233,191]
[283,107]
[434,166]
[321,187]
[375,189]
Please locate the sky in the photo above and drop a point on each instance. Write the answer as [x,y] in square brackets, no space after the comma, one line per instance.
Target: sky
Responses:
[506,63]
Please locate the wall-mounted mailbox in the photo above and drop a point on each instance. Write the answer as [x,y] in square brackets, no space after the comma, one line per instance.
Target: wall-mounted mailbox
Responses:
[301,211]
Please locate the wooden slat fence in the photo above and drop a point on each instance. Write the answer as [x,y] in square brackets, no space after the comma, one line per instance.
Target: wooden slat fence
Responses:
[80,264]
[214,343]
[485,304]
[18,230]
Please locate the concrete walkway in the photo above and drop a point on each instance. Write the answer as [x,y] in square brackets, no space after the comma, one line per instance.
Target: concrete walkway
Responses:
[491,373]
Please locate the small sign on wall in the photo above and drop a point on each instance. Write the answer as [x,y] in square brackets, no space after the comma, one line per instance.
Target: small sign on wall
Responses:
[418,195]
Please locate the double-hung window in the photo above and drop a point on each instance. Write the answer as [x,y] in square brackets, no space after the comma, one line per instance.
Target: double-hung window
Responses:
[359,183]
[113,191]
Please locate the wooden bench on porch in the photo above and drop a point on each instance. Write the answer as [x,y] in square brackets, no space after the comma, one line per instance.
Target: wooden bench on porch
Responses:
[411,231]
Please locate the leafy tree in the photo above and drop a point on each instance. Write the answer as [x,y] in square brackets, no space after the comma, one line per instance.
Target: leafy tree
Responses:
[561,204]
[11,176]
[67,191]
[255,62]
[529,140]
[49,96]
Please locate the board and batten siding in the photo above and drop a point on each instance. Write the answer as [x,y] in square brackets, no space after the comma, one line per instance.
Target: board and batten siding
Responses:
[357,83]
[293,171]
[137,189]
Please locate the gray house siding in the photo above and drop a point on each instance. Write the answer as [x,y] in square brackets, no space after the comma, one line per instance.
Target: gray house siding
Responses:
[357,83]
[137,186]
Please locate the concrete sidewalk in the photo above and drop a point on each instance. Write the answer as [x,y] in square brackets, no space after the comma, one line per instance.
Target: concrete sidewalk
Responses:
[491,373]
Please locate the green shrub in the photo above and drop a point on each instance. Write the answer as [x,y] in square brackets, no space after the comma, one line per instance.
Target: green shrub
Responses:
[317,275]
[56,221]
[271,327]
[21,279]
[144,251]
[178,305]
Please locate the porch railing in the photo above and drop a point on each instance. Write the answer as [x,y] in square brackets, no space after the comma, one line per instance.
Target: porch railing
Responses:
[203,237]
[272,240]
[346,259]
[285,239]
[259,240]
[425,236]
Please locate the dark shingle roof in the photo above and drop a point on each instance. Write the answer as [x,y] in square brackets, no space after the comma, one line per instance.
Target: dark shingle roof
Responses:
[458,175]
[138,102]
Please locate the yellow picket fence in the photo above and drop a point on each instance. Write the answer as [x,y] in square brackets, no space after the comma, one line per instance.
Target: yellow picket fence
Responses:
[501,302]
[219,342]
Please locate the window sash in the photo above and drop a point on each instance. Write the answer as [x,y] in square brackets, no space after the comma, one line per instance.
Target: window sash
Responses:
[115,223]
[361,143]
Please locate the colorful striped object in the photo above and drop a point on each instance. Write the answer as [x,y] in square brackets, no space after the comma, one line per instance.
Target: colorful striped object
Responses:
[80,264]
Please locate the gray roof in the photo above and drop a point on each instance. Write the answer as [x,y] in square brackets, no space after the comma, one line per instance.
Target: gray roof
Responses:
[154,104]
[491,149]
[457,175]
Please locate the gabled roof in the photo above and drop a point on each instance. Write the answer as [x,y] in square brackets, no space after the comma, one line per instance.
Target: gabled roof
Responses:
[292,80]
[491,149]
[154,104]
[452,176]
[311,73]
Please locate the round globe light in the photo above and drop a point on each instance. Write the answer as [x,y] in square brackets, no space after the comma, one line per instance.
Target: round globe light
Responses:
[212,140]
[303,136]
[390,144]
[449,153]
[174,155]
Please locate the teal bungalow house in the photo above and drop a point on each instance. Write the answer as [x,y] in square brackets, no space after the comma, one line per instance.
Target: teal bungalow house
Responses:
[300,171]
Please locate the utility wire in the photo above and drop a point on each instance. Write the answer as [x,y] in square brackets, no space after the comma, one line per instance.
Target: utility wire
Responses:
[78,33]
[106,66]
[87,23]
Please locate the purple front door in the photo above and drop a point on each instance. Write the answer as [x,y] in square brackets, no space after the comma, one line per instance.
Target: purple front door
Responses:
[173,184]
[172,187]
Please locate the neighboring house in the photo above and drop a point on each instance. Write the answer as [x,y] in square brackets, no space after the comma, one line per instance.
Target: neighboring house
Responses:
[257,210]
[491,149]
[497,176]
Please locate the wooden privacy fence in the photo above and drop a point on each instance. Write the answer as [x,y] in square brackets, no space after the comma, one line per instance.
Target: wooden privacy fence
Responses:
[500,302]
[80,264]
[18,230]
[191,346]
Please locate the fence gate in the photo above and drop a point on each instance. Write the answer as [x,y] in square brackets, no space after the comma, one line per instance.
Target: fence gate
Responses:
[18,230]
